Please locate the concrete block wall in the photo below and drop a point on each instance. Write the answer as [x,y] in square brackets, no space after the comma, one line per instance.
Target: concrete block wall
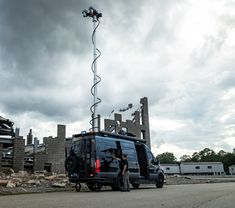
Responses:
[19,153]
[145,120]
[55,150]
[29,137]
[39,161]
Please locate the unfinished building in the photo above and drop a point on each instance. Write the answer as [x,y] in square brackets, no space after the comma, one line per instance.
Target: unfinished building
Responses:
[50,155]
[138,126]
[10,140]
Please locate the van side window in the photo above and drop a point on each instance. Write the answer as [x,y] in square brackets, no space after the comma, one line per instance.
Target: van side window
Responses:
[104,152]
[129,149]
[151,158]
[105,148]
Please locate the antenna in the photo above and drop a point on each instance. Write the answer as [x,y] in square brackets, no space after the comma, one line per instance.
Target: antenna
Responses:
[95,15]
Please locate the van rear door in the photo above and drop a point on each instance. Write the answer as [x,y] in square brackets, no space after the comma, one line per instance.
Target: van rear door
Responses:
[84,150]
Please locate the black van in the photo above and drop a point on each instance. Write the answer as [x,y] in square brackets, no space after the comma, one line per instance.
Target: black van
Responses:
[90,161]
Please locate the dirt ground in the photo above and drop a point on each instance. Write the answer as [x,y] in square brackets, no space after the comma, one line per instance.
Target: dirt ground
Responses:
[41,182]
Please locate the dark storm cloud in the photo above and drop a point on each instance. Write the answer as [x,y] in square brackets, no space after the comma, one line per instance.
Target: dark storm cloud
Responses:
[35,38]
[52,103]
[121,15]
[35,34]
[46,52]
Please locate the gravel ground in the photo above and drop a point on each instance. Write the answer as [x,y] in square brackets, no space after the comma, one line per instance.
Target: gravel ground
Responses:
[32,183]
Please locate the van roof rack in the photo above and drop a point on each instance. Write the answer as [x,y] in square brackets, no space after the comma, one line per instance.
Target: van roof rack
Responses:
[109,134]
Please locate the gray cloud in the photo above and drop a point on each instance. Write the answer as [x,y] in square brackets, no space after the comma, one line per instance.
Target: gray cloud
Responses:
[46,52]
[36,34]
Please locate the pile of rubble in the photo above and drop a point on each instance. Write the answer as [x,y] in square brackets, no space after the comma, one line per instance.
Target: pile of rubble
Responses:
[22,181]
[39,182]
[178,179]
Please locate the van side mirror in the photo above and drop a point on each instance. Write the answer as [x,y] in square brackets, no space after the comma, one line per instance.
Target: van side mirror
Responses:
[156,162]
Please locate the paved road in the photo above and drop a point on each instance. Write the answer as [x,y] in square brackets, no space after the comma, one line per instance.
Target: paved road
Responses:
[218,195]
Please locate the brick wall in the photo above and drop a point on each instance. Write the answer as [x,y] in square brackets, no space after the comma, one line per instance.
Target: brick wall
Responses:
[55,150]
[19,152]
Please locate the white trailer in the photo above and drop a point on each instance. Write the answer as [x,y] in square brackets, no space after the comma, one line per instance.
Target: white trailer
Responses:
[171,168]
[202,168]
[231,169]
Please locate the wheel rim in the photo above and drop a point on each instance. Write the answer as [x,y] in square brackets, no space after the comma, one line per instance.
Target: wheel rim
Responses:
[97,187]
[78,187]
[94,187]
[160,181]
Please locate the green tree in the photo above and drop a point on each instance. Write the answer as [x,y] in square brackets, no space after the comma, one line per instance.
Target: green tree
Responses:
[195,157]
[228,159]
[185,158]
[221,153]
[208,155]
[166,157]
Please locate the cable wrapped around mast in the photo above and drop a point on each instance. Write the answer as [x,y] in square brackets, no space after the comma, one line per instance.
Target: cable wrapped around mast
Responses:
[98,80]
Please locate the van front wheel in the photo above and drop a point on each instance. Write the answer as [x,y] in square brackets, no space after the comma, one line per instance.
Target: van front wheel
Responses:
[118,185]
[135,185]
[94,186]
[160,181]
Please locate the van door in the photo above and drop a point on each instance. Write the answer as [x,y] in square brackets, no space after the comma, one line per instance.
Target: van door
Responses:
[152,165]
[76,163]
[128,147]
[142,160]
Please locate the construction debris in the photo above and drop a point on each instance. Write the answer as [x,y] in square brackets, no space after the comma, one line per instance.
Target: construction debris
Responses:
[22,181]
[42,181]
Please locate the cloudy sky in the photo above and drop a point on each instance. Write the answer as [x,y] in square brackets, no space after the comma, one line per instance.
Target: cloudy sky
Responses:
[179,54]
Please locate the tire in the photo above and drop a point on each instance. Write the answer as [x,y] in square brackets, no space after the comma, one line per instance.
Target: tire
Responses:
[119,183]
[71,163]
[135,185]
[160,181]
[115,188]
[94,186]
[118,186]
[77,187]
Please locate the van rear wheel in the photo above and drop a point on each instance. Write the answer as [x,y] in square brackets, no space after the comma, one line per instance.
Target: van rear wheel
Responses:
[77,187]
[94,186]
